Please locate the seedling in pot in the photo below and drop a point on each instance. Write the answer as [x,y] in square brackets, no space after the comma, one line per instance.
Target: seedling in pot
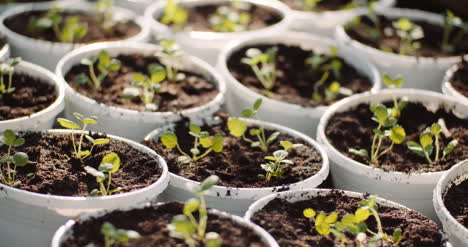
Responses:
[174,14]
[355,224]
[372,31]
[326,63]
[171,54]
[7,68]
[234,18]
[275,166]
[78,150]
[186,226]
[110,164]
[238,128]
[12,161]
[105,64]
[202,138]
[408,32]
[398,104]
[104,8]
[114,237]
[450,23]
[263,65]
[146,87]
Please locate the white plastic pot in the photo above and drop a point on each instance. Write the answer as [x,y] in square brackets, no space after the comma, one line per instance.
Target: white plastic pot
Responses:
[447,87]
[207,45]
[5,6]
[30,219]
[130,123]
[45,118]
[237,200]
[65,232]
[137,6]
[418,72]
[5,52]
[325,22]
[46,53]
[303,195]
[304,119]
[457,233]
[414,189]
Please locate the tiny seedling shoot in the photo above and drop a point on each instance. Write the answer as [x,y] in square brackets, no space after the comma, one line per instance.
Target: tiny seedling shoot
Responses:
[12,161]
[354,224]
[408,32]
[7,69]
[105,64]
[238,128]
[450,40]
[78,150]
[234,18]
[174,14]
[186,226]
[104,8]
[276,163]
[171,54]
[202,138]
[263,65]
[398,104]
[372,31]
[114,237]
[110,164]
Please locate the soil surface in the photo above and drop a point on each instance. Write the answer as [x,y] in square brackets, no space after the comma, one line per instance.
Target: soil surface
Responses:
[327,5]
[437,6]
[152,223]
[460,78]
[52,171]
[295,79]
[238,165]
[354,129]
[192,92]
[456,201]
[30,96]
[430,44]
[120,30]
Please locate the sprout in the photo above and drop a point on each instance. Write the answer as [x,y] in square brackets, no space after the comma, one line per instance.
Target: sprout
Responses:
[450,22]
[104,7]
[275,165]
[186,226]
[78,149]
[263,65]
[202,138]
[19,159]
[408,33]
[110,164]
[8,68]
[113,237]
[230,19]
[172,54]
[174,14]
[105,65]
[398,105]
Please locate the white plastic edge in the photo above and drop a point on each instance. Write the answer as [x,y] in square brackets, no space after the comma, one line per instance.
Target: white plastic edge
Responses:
[447,87]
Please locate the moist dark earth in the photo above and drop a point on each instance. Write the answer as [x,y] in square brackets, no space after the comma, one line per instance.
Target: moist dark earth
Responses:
[437,6]
[456,202]
[460,78]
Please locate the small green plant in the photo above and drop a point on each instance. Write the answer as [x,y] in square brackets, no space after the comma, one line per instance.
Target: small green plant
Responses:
[104,7]
[110,164]
[105,64]
[426,146]
[408,32]
[19,159]
[230,18]
[398,104]
[7,68]
[372,31]
[263,65]
[186,226]
[78,150]
[172,54]
[238,127]
[276,163]
[114,237]
[355,224]
[174,14]
[202,138]
[450,23]
[146,87]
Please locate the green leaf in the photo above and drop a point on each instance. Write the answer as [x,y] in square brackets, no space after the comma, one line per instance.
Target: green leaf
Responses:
[67,123]
[195,129]
[349,219]
[112,158]
[273,137]
[169,140]
[89,121]
[381,113]
[237,127]
[139,77]
[105,167]
[248,113]
[426,139]
[435,129]
[84,153]
[218,143]
[101,141]
[20,159]
[309,213]
[213,240]
[360,152]
[331,218]
[320,218]
[9,137]
[362,214]
[182,225]
[107,229]
[206,142]
[286,144]
[416,148]
[209,182]
[450,147]
[18,142]
[397,134]
[104,58]
[396,237]
[257,104]
[191,206]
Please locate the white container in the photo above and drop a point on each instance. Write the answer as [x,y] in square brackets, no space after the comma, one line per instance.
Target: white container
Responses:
[5,6]
[5,52]
[207,45]
[66,230]
[46,53]
[447,87]
[130,123]
[40,215]
[304,119]
[457,233]
[413,190]
[45,118]
[325,22]
[302,195]
[237,200]
[137,6]
[418,72]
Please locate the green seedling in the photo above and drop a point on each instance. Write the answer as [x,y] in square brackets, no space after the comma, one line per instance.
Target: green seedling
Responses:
[104,7]
[172,55]
[12,161]
[310,5]
[238,128]
[105,64]
[110,164]
[426,146]
[276,163]
[78,150]
[202,138]
[146,87]
[230,18]
[355,224]
[450,23]
[7,69]
[186,226]
[398,104]
[174,14]
[372,31]
[114,237]
[394,133]
[263,65]
[408,32]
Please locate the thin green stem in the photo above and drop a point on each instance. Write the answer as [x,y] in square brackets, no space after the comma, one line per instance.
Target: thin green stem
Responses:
[377,219]
[109,183]
[92,73]
[437,147]
[182,152]
[203,217]
[10,79]
[385,151]
[8,166]
[427,157]
[203,155]
[81,140]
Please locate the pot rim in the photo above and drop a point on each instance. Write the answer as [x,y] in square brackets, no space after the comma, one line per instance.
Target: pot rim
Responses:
[380,4]
[447,86]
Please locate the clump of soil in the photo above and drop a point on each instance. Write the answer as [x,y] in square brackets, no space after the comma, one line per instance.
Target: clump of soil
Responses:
[238,165]
[460,78]
[151,224]
[55,170]
[193,91]
[20,23]
[286,223]
[354,129]
[456,202]
[329,5]
[295,79]
[31,95]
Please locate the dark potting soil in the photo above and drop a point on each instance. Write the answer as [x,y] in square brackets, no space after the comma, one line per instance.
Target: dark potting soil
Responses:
[460,78]
[120,30]
[151,224]
[456,201]
[430,43]
[238,165]
[437,6]
[192,92]
[354,129]
[286,223]
[52,171]
[295,79]
[327,5]
[30,96]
